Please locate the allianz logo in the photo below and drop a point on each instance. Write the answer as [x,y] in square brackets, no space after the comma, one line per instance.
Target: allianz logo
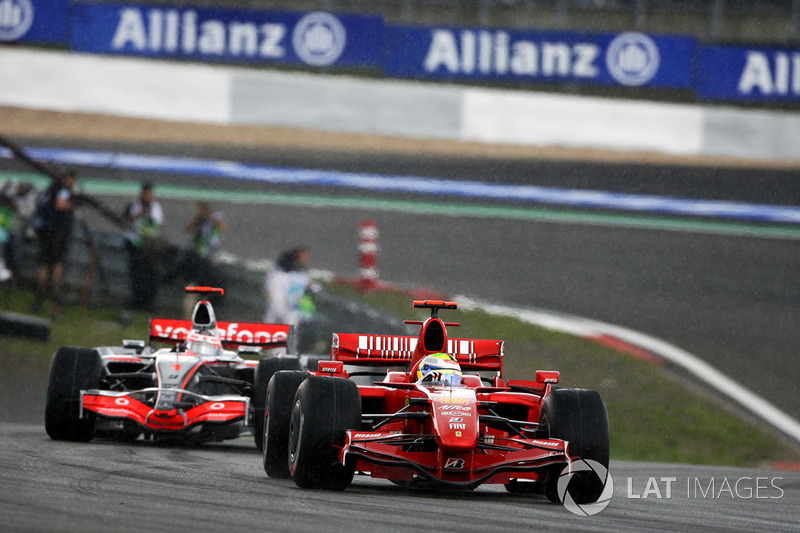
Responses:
[775,75]
[318,38]
[16,18]
[631,58]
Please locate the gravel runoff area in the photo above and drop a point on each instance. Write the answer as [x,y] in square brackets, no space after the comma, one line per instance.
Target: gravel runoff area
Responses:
[32,124]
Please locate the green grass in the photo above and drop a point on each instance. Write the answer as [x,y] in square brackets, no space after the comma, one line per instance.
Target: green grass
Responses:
[654,415]
[92,326]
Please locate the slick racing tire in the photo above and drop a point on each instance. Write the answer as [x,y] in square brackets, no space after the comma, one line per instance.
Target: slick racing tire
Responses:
[324,408]
[578,416]
[312,361]
[280,400]
[71,371]
[266,368]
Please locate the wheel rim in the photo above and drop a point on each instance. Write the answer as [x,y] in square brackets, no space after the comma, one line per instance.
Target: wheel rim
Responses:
[266,437]
[295,434]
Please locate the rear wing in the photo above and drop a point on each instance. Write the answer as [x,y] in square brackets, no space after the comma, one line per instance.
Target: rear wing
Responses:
[395,350]
[232,334]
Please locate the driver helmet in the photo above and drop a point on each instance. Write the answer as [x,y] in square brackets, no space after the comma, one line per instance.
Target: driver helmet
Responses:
[208,345]
[439,367]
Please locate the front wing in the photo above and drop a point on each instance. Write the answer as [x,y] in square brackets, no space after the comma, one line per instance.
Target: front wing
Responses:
[493,460]
[125,406]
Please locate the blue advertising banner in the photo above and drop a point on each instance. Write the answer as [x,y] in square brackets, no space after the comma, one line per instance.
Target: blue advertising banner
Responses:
[34,21]
[748,74]
[628,59]
[317,39]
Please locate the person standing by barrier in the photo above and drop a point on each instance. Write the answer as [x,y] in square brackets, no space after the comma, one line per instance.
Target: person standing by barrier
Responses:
[206,227]
[17,206]
[196,265]
[55,214]
[289,288]
[8,214]
[146,218]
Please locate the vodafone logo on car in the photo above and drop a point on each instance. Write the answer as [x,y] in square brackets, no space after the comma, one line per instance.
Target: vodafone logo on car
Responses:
[169,332]
[229,332]
[232,333]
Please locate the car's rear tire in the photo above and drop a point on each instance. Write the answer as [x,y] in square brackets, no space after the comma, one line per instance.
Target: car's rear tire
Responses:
[266,368]
[72,370]
[278,414]
[312,361]
[324,408]
[578,416]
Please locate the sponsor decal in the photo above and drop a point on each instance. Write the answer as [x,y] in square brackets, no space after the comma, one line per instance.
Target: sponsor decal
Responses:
[319,39]
[777,73]
[16,18]
[122,401]
[217,406]
[174,31]
[632,58]
[748,73]
[169,332]
[548,444]
[450,407]
[245,335]
[455,413]
[456,419]
[495,52]
[229,332]
[110,411]
[218,416]
[454,464]
[457,426]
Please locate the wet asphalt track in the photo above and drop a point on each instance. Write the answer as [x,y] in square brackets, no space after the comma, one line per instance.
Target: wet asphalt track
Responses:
[59,486]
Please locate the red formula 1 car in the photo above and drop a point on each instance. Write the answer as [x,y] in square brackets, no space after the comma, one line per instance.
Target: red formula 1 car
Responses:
[445,418]
[196,390]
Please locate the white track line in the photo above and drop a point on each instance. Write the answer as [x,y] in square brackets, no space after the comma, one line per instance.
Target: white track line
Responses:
[697,367]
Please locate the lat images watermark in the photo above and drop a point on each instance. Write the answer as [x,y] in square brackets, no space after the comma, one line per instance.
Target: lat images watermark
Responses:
[587,469]
[742,488]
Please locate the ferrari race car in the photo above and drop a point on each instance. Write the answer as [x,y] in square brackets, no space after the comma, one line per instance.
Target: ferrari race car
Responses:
[441,416]
[197,390]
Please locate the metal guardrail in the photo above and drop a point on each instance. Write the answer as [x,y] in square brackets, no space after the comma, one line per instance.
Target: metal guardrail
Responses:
[746,21]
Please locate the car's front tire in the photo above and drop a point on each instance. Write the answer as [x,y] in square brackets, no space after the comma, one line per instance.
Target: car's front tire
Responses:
[578,416]
[72,370]
[324,408]
[266,368]
[280,400]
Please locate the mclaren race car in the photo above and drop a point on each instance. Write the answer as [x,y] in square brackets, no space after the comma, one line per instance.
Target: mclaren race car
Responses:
[440,414]
[196,390]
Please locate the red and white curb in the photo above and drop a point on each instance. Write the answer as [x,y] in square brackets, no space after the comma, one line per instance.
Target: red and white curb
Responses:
[649,348]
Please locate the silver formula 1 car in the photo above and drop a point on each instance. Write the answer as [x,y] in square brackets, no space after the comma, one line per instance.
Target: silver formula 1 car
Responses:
[198,389]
